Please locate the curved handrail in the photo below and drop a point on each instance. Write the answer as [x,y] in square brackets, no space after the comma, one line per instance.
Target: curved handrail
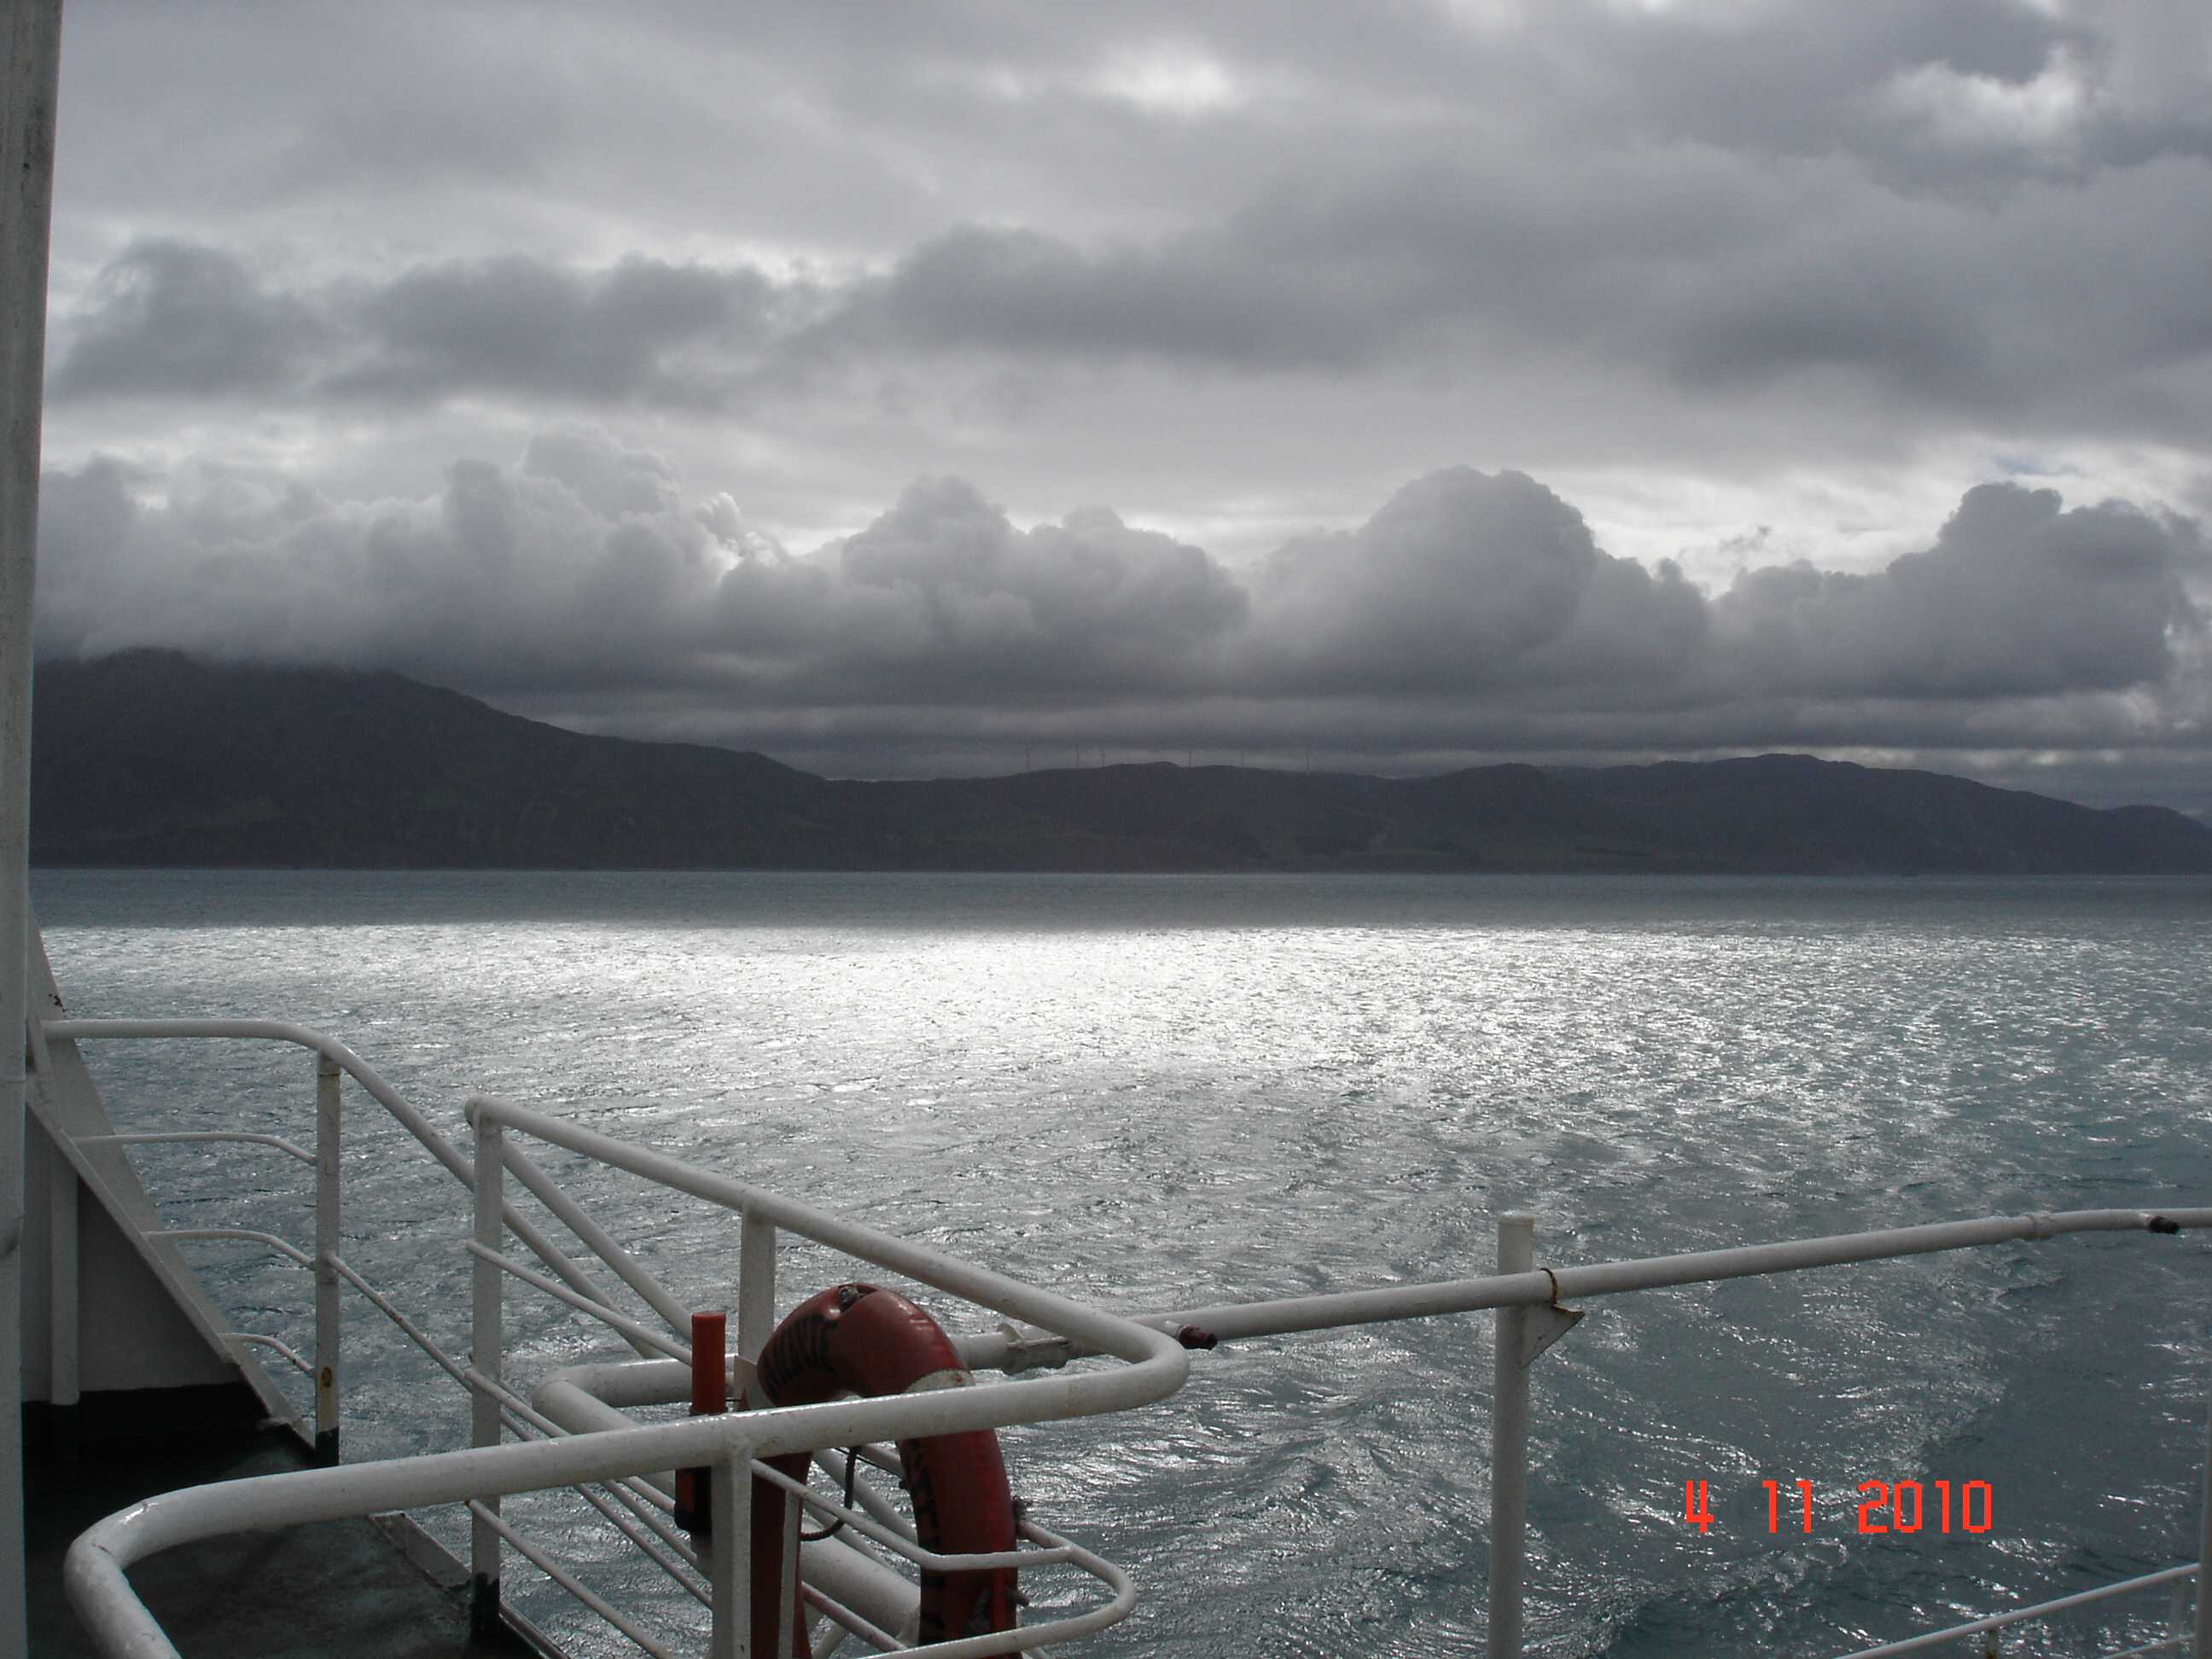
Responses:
[95,1569]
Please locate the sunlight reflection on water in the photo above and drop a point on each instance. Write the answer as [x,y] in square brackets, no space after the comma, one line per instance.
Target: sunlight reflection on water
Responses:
[1165,1091]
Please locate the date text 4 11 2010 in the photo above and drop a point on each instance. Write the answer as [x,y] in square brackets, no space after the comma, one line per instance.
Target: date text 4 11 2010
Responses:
[1885,1506]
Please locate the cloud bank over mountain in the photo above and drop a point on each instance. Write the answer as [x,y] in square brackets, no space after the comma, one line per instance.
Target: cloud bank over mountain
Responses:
[1770,326]
[1471,613]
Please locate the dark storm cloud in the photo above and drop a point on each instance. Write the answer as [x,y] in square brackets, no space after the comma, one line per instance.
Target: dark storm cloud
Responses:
[632,332]
[1687,269]
[582,556]
[177,321]
[587,564]
[1464,581]
[1201,299]
[1086,601]
[173,319]
[1492,587]
[1987,207]
[943,599]
[1797,79]
[2017,598]
[1471,612]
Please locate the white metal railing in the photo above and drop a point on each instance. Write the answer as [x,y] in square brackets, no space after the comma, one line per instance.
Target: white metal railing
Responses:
[1157,1366]
[729,1446]
[627,1501]
[329,1269]
[1528,1301]
[333,1059]
[1987,1628]
[1040,1332]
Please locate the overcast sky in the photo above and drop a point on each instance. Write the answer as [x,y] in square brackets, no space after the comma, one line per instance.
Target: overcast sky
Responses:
[930,387]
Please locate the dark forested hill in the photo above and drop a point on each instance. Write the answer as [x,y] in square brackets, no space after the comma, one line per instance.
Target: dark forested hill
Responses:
[149,758]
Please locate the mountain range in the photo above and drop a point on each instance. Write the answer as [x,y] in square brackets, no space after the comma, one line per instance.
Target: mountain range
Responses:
[150,758]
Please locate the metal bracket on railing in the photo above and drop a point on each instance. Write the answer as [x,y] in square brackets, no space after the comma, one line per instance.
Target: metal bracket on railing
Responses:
[1546,1325]
[1032,1351]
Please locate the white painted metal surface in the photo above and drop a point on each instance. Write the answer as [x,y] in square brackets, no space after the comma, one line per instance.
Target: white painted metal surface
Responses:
[64,1377]
[486,1346]
[26,182]
[330,1323]
[2204,1552]
[1509,1441]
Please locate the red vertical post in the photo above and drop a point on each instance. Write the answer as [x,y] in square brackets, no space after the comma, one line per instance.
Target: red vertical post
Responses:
[710,1363]
[710,1397]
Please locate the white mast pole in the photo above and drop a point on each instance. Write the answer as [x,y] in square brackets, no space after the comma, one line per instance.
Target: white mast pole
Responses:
[26,190]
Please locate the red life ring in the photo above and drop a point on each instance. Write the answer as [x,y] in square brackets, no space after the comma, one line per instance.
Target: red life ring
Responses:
[868,1340]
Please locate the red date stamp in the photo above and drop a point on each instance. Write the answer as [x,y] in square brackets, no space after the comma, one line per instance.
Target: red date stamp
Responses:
[1883,1506]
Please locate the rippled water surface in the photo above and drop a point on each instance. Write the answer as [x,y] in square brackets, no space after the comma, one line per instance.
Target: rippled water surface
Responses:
[1163,1092]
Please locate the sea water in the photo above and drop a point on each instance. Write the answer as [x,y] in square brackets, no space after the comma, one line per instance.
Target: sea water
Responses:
[1161,1092]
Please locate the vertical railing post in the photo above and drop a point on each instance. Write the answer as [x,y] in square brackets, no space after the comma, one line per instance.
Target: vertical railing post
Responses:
[1508,1442]
[786,1582]
[30,44]
[755,1324]
[329,1321]
[730,1557]
[755,1292]
[64,1382]
[486,1340]
[2204,1552]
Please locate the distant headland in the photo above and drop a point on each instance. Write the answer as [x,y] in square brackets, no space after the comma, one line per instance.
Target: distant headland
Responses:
[149,758]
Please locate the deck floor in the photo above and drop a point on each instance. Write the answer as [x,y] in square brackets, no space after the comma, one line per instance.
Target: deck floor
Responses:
[335,1588]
